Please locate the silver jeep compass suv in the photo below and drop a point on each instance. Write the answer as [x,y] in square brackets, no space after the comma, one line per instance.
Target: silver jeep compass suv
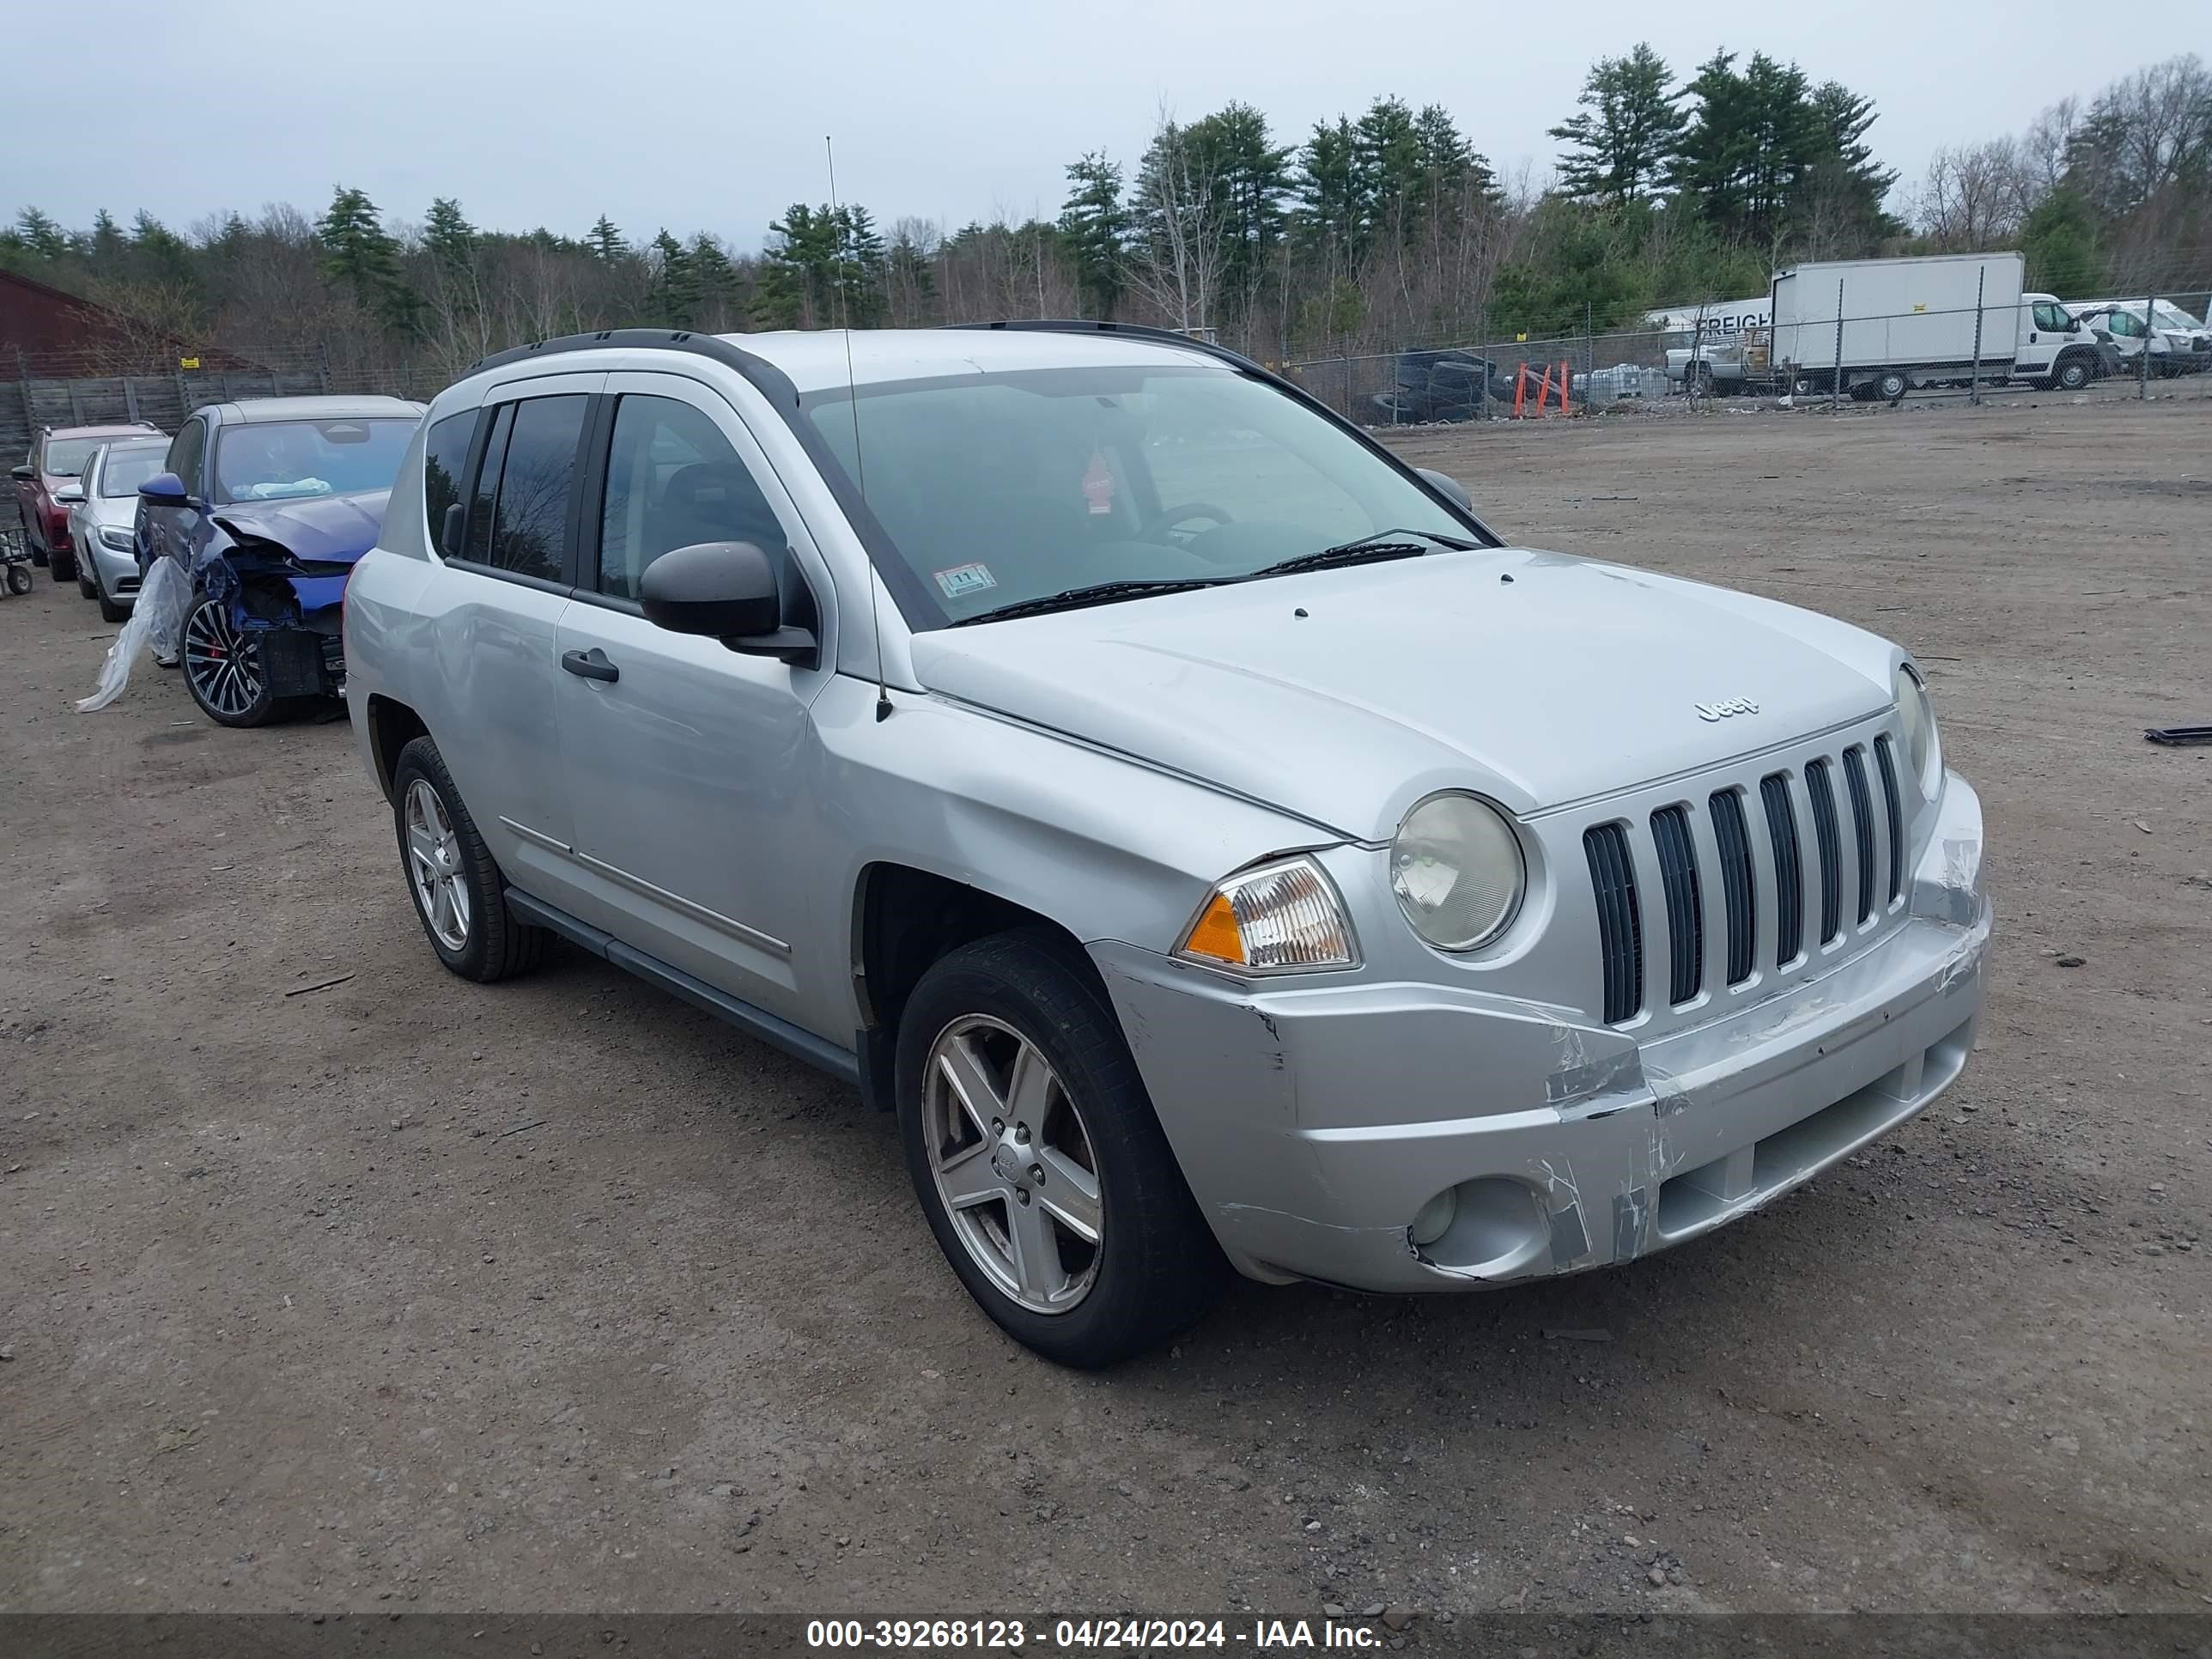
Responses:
[1210,841]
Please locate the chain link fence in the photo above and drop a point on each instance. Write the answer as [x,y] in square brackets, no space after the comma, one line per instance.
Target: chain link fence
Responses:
[1825,355]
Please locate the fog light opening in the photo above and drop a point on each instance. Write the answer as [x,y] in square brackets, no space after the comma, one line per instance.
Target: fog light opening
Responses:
[1489,1227]
[1434,1219]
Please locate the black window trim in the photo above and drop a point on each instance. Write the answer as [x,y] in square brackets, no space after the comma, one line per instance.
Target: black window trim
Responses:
[487,417]
[463,483]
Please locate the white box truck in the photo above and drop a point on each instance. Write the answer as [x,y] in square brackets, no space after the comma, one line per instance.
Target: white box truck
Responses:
[1908,323]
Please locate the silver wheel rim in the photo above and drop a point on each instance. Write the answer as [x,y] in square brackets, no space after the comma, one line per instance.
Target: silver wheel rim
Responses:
[434,862]
[224,667]
[1013,1164]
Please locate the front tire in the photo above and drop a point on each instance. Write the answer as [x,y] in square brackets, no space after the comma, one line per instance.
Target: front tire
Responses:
[1891,387]
[222,667]
[1038,1159]
[460,897]
[87,576]
[61,562]
[2072,375]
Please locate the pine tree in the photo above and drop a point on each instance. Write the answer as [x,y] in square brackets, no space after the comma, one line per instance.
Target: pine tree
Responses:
[38,232]
[674,299]
[1095,228]
[107,244]
[605,241]
[1250,175]
[1621,142]
[448,235]
[358,255]
[1330,215]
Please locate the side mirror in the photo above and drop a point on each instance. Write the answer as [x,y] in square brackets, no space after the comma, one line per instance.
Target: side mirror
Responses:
[1450,486]
[25,474]
[727,591]
[69,495]
[164,489]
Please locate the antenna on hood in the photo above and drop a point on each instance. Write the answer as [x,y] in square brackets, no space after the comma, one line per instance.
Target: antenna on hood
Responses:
[852,403]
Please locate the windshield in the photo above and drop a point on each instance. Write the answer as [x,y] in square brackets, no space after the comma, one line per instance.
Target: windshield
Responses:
[65,457]
[2175,317]
[283,460]
[999,491]
[125,469]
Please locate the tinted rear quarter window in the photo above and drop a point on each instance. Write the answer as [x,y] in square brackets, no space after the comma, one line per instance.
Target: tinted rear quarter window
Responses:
[478,544]
[445,460]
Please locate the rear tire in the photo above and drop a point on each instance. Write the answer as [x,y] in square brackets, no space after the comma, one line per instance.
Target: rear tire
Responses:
[460,897]
[1038,1046]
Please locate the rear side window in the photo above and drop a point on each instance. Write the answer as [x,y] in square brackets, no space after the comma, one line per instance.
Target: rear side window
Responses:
[184,454]
[445,460]
[530,525]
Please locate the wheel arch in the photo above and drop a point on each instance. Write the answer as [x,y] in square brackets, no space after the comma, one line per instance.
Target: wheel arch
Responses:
[906,918]
[392,725]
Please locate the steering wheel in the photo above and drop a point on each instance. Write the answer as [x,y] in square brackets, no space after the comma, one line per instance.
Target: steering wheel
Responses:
[1167,517]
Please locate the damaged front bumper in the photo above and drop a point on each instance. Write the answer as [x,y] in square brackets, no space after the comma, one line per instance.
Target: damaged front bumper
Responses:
[290,610]
[1315,1125]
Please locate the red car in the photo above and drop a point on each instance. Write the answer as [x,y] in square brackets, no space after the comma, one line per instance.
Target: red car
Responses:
[56,460]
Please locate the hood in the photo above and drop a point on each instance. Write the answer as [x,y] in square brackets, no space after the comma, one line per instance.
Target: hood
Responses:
[1343,697]
[318,529]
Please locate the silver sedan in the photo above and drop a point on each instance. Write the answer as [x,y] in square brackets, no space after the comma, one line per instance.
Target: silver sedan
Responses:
[100,525]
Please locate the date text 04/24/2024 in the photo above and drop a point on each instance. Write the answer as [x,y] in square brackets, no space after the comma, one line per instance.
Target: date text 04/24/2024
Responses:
[1079,1635]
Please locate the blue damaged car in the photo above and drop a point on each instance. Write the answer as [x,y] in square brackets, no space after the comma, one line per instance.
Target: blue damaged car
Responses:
[265,506]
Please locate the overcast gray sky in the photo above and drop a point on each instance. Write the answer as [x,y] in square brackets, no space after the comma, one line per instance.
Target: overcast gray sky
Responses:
[700,115]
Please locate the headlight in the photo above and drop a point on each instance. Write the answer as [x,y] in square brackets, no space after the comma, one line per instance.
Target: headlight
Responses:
[1279,918]
[118,539]
[1457,871]
[1917,714]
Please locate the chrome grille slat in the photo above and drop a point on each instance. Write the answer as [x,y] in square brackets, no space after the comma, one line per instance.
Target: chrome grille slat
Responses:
[1894,811]
[1855,781]
[1613,881]
[1789,868]
[1678,875]
[1738,892]
[1827,837]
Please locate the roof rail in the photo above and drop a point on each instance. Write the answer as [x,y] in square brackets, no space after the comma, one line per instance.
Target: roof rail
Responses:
[1134,330]
[769,380]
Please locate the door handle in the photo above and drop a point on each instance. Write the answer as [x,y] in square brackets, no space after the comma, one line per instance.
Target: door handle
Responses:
[593,665]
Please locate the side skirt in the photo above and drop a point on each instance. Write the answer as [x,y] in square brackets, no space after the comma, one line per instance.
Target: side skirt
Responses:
[754,1021]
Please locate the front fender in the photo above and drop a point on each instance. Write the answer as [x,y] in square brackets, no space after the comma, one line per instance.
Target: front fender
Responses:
[1104,846]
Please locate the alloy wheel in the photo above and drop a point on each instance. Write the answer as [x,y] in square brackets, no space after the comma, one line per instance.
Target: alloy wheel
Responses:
[224,667]
[434,863]
[1013,1164]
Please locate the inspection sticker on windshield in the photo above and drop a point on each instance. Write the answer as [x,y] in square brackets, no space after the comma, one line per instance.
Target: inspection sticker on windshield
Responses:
[965,579]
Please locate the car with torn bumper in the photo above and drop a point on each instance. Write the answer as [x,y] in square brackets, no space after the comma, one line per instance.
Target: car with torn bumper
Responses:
[265,506]
[1215,844]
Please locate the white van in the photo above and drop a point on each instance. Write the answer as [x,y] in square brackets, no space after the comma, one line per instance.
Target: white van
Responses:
[2178,343]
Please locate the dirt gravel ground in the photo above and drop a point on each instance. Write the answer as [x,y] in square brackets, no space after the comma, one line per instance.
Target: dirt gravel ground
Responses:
[407,1292]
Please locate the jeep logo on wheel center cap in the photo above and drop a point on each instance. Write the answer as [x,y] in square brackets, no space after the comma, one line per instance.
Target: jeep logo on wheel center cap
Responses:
[1721,711]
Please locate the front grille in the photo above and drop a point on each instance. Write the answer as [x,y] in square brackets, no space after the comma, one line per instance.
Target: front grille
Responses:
[1855,779]
[1895,806]
[1737,889]
[1740,874]
[1620,929]
[1826,836]
[1685,917]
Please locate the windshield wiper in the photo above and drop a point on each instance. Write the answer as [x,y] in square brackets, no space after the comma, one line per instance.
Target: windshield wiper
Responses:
[1383,545]
[1075,598]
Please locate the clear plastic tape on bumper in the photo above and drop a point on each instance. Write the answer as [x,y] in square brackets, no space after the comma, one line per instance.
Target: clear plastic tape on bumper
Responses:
[156,620]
